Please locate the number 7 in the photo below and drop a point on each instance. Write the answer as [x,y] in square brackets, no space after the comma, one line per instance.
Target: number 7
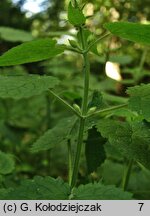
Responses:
[141,205]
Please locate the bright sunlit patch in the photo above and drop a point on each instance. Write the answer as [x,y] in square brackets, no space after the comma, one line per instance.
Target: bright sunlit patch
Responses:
[33,6]
[113,70]
[89,9]
[64,39]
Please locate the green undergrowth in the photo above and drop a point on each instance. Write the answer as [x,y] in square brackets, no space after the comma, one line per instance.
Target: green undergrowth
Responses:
[71,125]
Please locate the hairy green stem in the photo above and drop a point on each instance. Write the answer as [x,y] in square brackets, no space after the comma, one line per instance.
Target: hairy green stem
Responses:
[86,84]
[68,106]
[86,71]
[127,174]
[78,153]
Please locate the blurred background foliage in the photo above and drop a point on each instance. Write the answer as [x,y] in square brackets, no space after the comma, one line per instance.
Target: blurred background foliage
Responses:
[23,121]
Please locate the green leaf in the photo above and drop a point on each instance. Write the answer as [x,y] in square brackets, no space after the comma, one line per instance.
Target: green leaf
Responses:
[7,163]
[117,133]
[132,140]
[97,100]
[75,15]
[140,99]
[121,59]
[125,113]
[94,150]
[39,188]
[4,192]
[33,51]
[53,137]
[113,152]
[112,172]
[73,43]
[31,117]
[141,142]
[97,191]
[17,87]
[14,35]
[131,31]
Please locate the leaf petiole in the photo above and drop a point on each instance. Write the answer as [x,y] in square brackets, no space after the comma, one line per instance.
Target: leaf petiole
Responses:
[96,41]
[65,104]
[77,50]
[107,110]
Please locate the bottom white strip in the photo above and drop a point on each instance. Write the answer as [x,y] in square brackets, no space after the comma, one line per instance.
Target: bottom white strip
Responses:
[75,207]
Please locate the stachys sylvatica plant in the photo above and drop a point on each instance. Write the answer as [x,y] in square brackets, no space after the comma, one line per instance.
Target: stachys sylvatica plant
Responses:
[93,128]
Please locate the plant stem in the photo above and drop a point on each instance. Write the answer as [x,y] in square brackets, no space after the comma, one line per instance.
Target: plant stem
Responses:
[107,110]
[65,103]
[86,84]
[48,115]
[143,57]
[127,174]
[69,162]
[78,153]
[86,71]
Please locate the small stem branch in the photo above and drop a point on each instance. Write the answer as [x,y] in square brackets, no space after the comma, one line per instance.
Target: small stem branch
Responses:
[68,106]
[69,48]
[97,40]
[48,115]
[143,59]
[69,162]
[127,174]
[107,110]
